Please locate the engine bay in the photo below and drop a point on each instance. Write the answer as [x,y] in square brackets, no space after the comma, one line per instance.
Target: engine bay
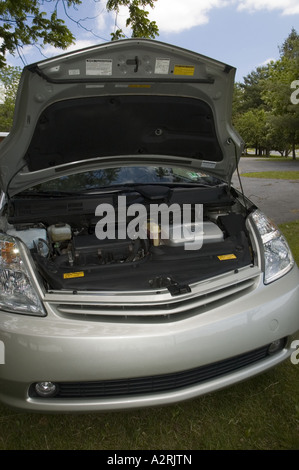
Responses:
[62,238]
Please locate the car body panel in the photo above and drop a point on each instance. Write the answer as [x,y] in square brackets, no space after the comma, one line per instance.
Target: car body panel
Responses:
[64,349]
[142,71]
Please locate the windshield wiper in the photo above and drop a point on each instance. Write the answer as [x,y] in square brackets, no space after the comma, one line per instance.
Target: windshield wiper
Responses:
[121,188]
[87,192]
[48,193]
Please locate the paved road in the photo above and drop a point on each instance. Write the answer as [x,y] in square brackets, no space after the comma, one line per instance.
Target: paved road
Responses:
[279,199]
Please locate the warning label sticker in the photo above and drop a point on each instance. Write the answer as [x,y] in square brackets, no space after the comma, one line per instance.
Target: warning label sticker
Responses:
[187,70]
[137,85]
[162,66]
[72,275]
[99,67]
[227,257]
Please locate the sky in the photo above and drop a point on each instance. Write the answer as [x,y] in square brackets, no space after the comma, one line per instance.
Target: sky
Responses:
[241,33]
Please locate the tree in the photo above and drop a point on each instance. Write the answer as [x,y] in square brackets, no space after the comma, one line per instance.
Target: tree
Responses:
[26,22]
[290,47]
[263,109]
[253,128]
[138,18]
[9,76]
[277,91]
[250,112]
[253,87]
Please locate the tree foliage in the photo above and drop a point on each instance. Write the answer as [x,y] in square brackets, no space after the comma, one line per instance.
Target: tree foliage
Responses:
[138,19]
[27,22]
[9,77]
[290,47]
[253,88]
[24,22]
[263,110]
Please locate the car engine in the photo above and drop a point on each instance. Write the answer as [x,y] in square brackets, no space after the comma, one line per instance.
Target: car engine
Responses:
[69,255]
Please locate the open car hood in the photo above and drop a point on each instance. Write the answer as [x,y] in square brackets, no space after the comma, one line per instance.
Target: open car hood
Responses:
[125,102]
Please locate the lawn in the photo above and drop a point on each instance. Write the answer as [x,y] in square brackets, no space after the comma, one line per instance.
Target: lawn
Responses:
[261,413]
[285,175]
[279,159]
[273,156]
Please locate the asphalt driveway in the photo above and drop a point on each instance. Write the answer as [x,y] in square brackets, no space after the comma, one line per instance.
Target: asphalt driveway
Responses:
[279,199]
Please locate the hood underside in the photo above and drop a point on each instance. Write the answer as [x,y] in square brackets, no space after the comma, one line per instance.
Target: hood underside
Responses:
[96,127]
[130,101]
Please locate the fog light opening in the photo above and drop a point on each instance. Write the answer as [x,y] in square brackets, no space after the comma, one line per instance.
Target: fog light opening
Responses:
[46,389]
[276,346]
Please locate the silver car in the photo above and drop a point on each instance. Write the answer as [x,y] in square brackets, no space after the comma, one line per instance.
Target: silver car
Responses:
[132,273]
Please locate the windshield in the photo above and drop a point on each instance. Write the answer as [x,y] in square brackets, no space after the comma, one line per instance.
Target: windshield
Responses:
[132,175]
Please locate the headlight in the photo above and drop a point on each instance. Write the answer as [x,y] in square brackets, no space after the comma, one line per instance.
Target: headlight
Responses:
[17,293]
[277,254]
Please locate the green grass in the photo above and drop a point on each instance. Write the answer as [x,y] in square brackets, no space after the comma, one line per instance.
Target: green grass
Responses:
[291,232]
[261,413]
[284,175]
[272,156]
[278,159]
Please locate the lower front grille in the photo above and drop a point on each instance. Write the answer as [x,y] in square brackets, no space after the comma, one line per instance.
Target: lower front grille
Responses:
[156,383]
[155,310]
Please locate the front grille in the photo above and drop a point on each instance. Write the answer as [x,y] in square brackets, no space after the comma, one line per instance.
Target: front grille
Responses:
[157,383]
[173,309]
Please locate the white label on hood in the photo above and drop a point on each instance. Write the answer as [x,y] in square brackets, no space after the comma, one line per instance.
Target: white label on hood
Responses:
[162,66]
[74,71]
[99,67]
[206,164]
[95,85]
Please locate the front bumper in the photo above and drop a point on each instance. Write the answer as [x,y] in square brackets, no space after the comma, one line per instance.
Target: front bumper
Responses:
[60,349]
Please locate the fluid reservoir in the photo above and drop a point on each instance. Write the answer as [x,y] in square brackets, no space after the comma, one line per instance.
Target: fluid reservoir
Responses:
[32,237]
[154,232]
[60,232]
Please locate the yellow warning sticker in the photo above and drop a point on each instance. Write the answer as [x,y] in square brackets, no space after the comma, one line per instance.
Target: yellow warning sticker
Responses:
[137,85]
[226,257]
[184,70]
[72,275]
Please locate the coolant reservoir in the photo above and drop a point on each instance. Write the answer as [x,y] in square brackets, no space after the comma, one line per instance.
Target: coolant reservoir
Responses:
[60,232]
[32,237]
